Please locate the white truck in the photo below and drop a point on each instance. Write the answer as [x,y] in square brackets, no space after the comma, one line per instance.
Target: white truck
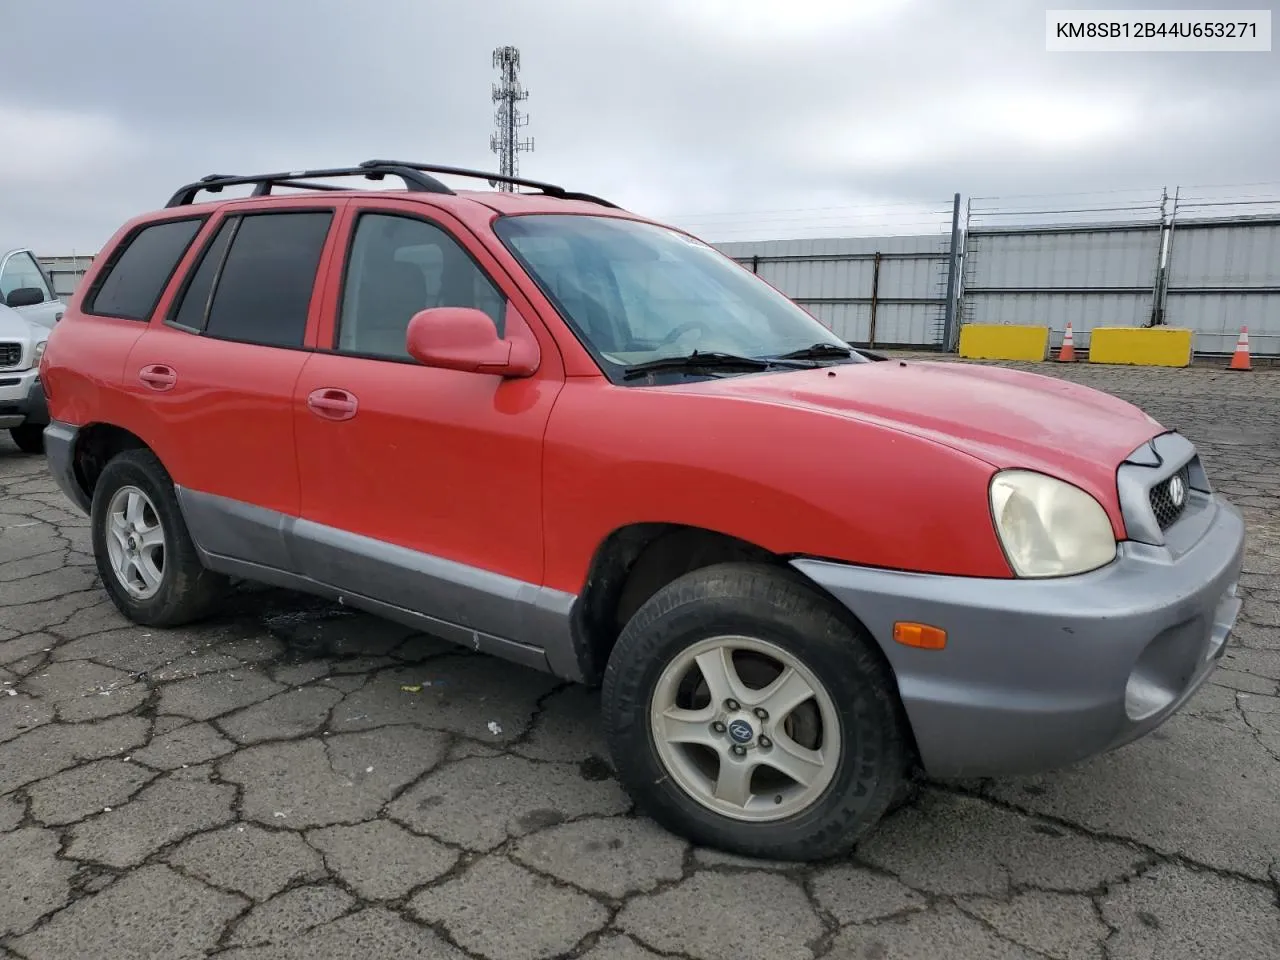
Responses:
[28,312]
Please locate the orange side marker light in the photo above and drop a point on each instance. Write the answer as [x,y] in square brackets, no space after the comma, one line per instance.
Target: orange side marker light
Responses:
[919,635]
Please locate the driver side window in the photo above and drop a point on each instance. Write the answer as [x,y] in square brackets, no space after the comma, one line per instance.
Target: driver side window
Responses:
[399,265]
[21,270]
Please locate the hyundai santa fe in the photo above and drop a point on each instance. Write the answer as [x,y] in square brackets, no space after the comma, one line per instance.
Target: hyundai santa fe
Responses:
[557,432]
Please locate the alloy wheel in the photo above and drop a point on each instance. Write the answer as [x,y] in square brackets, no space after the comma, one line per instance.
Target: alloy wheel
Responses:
[745,728]
[135,542]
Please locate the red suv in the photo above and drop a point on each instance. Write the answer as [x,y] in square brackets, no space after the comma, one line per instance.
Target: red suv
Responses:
[559,433]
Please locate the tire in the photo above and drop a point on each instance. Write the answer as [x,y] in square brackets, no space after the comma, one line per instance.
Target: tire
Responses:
[785,618]
[907,794]
[185,590]
[29,437]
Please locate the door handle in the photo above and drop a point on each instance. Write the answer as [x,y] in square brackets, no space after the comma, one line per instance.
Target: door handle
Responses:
[332,403]
[158,376]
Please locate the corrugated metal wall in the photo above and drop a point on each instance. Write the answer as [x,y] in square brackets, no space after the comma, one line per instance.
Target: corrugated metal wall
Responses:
[1091,276]
[65,273]
[881,290]
[1222,275]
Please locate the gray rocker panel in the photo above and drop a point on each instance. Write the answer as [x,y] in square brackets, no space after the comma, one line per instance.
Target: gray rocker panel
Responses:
[488,612]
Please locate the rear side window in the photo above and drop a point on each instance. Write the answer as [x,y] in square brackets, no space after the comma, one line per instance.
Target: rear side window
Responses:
[193,303]
[137,273]
[255,280]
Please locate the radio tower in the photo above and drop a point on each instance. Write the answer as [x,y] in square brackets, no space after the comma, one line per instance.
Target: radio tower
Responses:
[507,92]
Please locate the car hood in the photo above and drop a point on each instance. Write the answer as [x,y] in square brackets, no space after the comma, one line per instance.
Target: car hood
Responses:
[1004,417]
[14,326]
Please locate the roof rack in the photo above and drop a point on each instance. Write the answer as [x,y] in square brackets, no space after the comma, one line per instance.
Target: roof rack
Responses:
[550,189]
[416,177]
[414,180]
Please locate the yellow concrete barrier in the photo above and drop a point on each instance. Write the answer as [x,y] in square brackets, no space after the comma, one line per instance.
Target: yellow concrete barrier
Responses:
[1004,341]
[1141,346]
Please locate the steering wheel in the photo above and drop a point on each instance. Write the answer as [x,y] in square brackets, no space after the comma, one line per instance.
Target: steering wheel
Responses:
[680,331]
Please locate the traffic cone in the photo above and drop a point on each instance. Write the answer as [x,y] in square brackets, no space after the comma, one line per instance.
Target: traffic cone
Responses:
[1067,354]
[1240,359]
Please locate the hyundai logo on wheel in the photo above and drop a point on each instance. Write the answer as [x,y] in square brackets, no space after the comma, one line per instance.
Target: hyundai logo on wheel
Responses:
[741,731]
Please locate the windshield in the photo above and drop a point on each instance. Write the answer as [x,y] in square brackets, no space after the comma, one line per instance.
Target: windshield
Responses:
[635,293]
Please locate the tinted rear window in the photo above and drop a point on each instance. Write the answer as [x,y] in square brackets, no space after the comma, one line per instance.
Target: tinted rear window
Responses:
[194,300]
[136,276]
[264,291]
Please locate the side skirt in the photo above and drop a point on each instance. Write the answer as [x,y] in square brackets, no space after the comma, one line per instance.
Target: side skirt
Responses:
[483,611]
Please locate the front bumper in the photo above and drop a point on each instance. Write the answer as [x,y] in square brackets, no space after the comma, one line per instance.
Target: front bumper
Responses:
[1038,674]
[22,399]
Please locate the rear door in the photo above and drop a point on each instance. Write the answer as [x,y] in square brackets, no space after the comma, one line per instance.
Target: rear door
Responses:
[83,371]
[214,374]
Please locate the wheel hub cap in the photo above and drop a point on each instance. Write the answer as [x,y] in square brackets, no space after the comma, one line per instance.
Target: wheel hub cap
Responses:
[741,731]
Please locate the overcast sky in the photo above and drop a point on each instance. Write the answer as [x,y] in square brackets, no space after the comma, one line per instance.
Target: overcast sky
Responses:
[736,118]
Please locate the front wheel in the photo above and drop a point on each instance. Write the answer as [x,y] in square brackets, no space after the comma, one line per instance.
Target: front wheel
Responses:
[145,556]
[28,437]
[744,711]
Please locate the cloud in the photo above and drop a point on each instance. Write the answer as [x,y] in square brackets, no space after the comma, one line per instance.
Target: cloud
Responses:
[712,112]
[47,145]
[769,23]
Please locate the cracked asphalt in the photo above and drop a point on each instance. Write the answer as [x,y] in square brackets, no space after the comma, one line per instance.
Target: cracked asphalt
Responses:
[295,780]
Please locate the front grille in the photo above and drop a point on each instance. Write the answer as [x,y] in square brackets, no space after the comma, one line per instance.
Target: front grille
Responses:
[1169,497]
[10,354]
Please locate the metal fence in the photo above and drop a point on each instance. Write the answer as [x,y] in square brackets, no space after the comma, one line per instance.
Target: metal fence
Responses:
[1136,261]
[1090,260]
[872,291]
[65,273]
[1095,275]
[1223,274]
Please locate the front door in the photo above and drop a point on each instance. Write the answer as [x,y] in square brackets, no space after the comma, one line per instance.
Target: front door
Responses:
[20,274]
[213,377]
[421,487]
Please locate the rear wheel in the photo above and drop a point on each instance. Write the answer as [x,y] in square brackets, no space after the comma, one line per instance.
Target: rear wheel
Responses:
[745,712]
[28,437]
[145,556]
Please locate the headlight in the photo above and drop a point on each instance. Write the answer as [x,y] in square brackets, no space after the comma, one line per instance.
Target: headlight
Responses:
[1049,528]
[35,357]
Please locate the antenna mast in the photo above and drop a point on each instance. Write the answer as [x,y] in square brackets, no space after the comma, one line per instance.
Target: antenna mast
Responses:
[508,117]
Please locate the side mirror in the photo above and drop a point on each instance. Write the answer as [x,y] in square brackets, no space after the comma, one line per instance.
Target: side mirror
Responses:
[463,338]
[25,297]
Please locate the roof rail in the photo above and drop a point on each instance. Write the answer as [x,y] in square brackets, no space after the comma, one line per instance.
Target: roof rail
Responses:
[550,189]
[414,180]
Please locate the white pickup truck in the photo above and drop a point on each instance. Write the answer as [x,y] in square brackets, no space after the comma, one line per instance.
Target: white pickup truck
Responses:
[28,311]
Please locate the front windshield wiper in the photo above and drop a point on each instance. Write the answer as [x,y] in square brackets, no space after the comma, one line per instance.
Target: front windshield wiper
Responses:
[817,351]
[698,360]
